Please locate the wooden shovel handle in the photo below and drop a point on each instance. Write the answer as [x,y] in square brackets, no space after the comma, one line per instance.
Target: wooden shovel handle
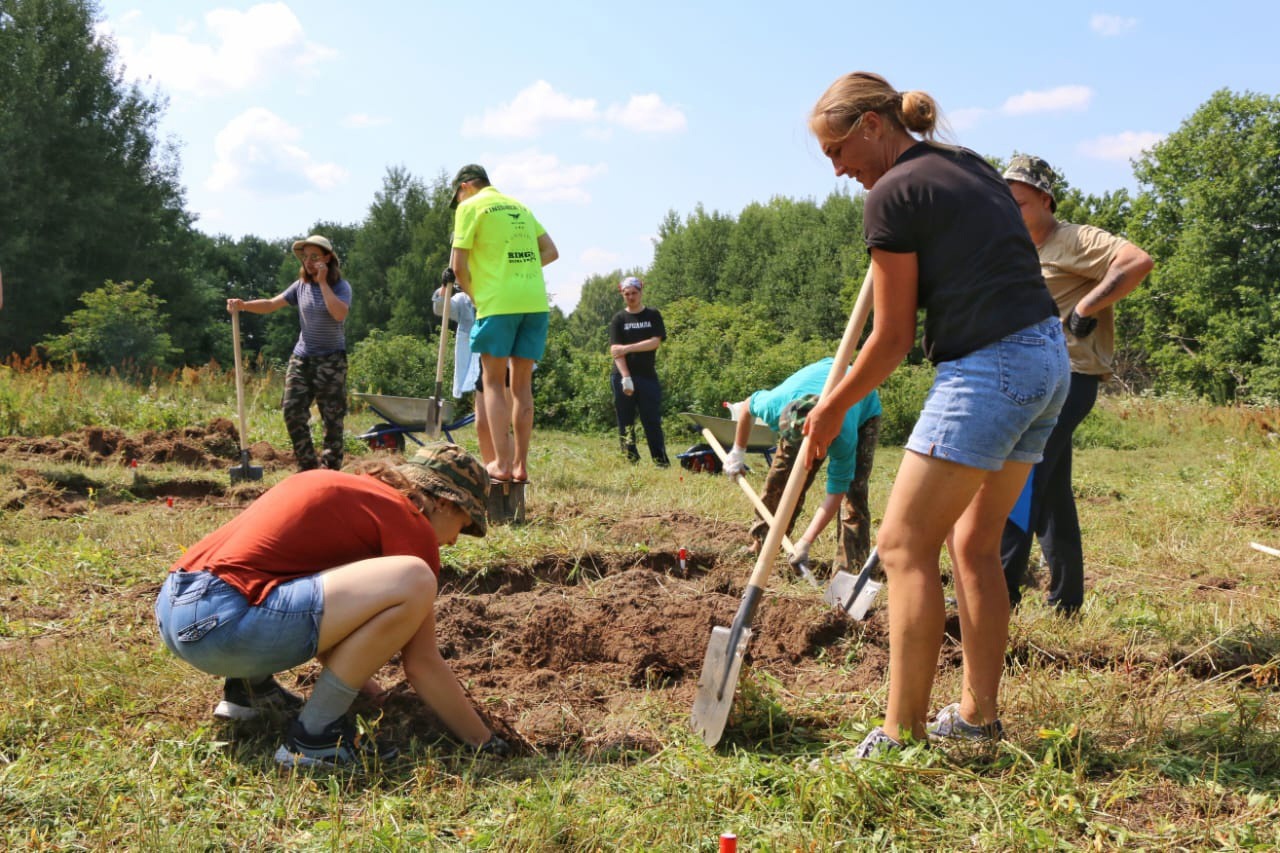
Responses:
[795,482]
[235,349]
[444,337]
[764,511]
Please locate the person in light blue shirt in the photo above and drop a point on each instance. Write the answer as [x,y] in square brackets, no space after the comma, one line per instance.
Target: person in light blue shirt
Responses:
[849,457]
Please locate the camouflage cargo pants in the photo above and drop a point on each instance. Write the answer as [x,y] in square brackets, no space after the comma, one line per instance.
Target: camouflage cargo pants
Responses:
[854,532]
[320,379]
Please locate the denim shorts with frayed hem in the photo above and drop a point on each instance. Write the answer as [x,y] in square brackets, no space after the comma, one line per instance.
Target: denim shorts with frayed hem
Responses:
[997,404]
[208,623]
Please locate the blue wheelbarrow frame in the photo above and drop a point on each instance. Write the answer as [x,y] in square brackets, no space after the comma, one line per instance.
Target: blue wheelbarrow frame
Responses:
[404,417]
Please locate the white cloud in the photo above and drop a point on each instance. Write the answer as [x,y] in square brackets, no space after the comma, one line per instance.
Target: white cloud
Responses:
[361,120]
[966,119]
[647,114]
[525,115]
[599,259]
[528,114]
[1121,146]
[235,51]
[1052,100]
[257,152]
[1109,26]
[533,176]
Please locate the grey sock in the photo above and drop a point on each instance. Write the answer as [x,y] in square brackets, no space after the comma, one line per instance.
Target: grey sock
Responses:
[329,700]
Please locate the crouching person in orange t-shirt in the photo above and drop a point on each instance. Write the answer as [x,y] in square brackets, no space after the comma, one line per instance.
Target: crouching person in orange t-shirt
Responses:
[338,566]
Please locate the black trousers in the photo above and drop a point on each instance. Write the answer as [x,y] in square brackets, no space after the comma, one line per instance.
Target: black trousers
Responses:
[1053,510]
[647,402]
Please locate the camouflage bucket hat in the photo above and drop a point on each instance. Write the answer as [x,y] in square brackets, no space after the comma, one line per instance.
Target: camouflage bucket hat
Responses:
[1034,172]
[447,471]
[791,421]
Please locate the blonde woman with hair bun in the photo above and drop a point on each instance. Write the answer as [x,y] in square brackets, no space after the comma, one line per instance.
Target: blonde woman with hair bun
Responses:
[945,237]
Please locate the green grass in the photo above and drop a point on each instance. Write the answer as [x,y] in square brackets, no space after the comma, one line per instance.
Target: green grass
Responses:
[1152,722]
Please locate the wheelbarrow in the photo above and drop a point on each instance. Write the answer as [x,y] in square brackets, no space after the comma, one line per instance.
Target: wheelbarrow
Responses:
[405,417]
[701,457]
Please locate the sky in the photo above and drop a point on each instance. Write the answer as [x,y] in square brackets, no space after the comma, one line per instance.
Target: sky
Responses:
[603,117]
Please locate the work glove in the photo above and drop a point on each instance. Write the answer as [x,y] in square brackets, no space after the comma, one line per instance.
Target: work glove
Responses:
[495,746]
[801,555]
[628,387]
[447,277]
[1079,326]
[736,463]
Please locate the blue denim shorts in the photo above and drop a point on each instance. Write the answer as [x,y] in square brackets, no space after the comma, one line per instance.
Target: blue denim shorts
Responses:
[997,404]
[505,335]
[208,623]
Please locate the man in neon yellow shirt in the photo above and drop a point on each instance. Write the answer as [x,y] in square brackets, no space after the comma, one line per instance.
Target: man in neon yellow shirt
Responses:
[499,250]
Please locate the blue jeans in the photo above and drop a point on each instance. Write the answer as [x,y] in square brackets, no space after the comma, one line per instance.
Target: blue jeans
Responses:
[997,404]
[1053,510]
[208,623]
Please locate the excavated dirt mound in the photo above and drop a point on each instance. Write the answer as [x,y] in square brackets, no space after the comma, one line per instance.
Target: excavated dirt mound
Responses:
[205,448]
[560,661]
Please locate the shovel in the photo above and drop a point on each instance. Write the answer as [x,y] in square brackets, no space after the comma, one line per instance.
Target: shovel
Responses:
[439,410]
[723,662]
[855,594]
[243,471]
[757,503]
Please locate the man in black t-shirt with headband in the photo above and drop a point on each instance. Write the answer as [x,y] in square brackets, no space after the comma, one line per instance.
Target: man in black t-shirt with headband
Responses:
[635,333]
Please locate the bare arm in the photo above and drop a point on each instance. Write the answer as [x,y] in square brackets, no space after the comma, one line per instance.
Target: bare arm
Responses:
[337,308]
[460,262]
[742,432]
[646,345]
[1128,268]
[620,362]
[547,250]
[438,687]
[256,306]
[893,332]
[822,517]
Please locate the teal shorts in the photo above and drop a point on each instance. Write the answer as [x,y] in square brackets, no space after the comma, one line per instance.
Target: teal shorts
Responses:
[507,335]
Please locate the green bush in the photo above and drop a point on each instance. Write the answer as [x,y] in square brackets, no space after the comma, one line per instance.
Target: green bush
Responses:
[396,365]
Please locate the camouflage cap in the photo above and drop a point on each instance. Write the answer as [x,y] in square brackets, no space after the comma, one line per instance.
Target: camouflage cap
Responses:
[1034,172]
[447,471]
[791,421]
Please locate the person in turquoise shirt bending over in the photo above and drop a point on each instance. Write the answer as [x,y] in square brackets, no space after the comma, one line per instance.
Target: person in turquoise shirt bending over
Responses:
[499,250]
[784,409]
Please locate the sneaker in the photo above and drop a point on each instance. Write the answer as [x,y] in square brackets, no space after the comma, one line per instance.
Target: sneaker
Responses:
[339,744]
[876,744]
[245,700]
[949,725]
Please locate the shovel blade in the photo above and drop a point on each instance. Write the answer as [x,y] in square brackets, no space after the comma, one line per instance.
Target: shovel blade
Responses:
[717,684]
[439,412]
[854,594]
[244,472]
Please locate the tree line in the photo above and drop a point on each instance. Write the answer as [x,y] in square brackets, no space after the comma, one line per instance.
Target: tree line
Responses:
[104,263]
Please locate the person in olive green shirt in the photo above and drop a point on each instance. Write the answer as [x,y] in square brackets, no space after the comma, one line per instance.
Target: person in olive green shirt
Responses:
[499,250]
[1088,271]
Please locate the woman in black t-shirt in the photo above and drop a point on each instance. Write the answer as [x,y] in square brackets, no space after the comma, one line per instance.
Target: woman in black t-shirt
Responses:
[945,236]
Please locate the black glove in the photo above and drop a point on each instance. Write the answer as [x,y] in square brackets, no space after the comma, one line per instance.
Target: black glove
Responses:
[1081,327]
[494,746]
[447,277]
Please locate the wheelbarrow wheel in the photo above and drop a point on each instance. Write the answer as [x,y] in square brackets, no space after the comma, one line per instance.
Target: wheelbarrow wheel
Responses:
[386,437]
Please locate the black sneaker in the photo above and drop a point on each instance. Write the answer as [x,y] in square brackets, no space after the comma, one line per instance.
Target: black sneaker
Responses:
[340,743]
[245,700]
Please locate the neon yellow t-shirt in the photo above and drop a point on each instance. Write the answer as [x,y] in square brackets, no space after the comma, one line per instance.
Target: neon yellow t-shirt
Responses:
[501,235]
